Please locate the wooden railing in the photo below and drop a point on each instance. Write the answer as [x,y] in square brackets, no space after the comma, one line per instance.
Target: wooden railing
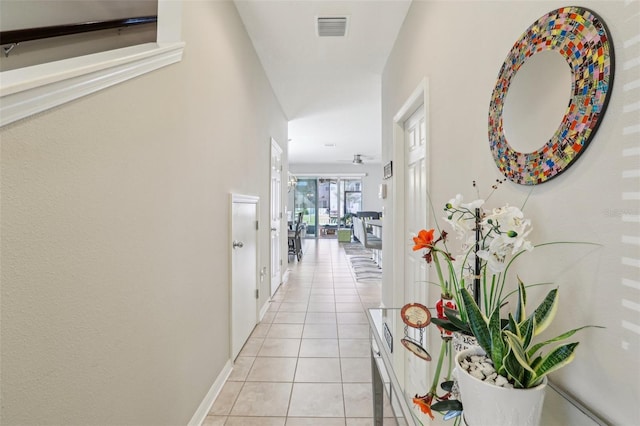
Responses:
[28,34]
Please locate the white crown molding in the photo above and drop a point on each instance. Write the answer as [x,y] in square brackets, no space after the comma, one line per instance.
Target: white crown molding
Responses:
[30,90]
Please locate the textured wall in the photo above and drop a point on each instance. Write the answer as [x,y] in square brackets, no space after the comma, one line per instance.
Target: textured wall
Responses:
[459,47]
[115,213]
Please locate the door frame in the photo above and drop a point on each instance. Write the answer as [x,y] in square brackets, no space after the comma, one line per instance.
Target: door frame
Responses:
[393,295]
[246,199]
[276,150]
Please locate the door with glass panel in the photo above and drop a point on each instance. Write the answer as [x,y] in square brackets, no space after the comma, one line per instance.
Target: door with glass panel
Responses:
[304,201]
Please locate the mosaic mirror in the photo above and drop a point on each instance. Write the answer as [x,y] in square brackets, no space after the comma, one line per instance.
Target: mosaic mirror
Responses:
[570,43]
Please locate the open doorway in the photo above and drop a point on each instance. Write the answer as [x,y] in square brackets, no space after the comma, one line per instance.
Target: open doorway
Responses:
[327,204]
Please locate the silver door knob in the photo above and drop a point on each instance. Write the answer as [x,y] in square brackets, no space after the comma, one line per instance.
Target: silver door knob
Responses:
[238,244]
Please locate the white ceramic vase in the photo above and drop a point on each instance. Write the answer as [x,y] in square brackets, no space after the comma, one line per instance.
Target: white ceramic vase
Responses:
[485,404]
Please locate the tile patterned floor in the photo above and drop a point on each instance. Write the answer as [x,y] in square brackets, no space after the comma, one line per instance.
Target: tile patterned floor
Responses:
[307,362]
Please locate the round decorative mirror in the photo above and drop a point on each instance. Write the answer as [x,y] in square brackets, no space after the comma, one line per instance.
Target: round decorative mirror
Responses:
[553,88]
[537,100]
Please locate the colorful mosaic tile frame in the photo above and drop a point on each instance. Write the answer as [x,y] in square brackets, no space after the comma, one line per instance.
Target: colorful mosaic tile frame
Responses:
[583,39]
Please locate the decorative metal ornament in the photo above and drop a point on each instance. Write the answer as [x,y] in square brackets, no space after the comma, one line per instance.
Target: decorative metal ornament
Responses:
[415,315]
[416,348]
[583,39]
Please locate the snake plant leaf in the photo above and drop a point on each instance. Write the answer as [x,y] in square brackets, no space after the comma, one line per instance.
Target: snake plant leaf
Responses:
[511,325]
[536,362]
[556,359]
[518,351]
[521,313]
[563,336]
[497,343]
[447,405]
[527,331]
[514,370]
[477,321]
[545,312]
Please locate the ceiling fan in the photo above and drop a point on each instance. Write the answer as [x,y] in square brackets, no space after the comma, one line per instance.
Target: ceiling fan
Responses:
[358,159]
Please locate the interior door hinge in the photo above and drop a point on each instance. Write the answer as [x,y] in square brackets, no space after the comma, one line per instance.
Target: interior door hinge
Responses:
[257,293]
[257,225]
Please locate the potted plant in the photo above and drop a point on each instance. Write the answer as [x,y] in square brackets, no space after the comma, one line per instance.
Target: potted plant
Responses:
[503,380]
[474,281]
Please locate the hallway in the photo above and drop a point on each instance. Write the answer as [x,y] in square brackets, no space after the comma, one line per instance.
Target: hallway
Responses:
[307,362]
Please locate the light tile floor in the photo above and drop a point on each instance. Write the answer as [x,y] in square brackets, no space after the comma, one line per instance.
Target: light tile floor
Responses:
[307,362]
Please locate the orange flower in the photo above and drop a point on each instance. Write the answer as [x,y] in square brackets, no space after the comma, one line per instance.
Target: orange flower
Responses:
[424,402]
[423,240]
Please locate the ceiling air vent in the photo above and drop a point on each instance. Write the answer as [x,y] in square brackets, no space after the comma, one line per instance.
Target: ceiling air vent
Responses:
[332,26]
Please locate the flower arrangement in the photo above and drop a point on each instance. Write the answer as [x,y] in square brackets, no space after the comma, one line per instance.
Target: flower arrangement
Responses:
[491,241]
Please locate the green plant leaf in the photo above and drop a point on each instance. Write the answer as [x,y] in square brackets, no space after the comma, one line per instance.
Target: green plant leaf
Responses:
[562,336]
[515,345]
[514,370]
[555,360]
[448,385]
[545,312]
[511,325]
[527,330]
[477,321]
[497,343]
[447,405]
[449,311]
[536,362]
[521,313]
[457,321]
[450,326]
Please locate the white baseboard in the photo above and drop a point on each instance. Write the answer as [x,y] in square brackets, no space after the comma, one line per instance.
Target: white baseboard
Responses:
[210,397]
[264,309]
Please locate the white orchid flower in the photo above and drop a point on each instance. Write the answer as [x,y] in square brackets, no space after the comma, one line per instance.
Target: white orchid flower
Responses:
[496,254]
[455,203]
[475,204]
[461,224]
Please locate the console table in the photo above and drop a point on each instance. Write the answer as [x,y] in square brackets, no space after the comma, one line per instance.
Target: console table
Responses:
[401,375]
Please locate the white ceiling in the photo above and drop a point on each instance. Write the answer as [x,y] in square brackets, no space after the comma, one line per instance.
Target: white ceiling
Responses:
[329,87]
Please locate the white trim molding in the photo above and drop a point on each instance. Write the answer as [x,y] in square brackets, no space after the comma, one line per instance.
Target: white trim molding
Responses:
[393,295]
[30,90]
[205,406]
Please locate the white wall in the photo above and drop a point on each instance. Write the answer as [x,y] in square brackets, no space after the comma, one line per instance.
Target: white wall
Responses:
[370,182]
[115,213]
[459,47]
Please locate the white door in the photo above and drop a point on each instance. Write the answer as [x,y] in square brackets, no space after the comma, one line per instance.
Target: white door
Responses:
[415,205]
[276,215]
[244,270]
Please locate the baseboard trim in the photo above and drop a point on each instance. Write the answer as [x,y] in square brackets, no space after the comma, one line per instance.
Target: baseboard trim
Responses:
[205,406]
[264,309]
